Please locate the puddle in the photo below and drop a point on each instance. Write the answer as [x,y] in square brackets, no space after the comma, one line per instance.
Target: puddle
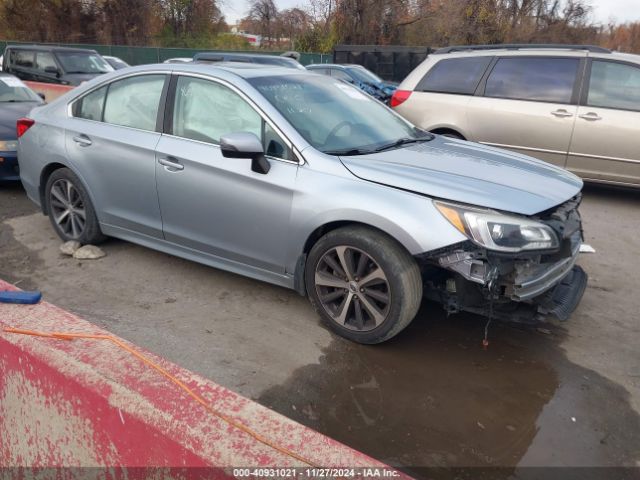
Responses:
[434,398]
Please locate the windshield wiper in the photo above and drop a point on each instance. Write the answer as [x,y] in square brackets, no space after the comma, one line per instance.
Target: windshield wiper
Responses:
[348,152]
[404,141]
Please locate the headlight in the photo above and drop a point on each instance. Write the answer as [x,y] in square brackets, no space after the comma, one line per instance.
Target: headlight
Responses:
[8,145]
[499,232]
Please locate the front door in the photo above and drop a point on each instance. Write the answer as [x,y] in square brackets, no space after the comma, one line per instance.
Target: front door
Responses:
[606,144]
[529,106]
[219,205]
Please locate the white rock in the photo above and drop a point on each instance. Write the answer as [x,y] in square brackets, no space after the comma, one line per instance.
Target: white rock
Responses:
[70,247]
[88,252]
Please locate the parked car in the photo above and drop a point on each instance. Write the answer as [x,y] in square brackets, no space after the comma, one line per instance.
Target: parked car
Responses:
[305,182]
[66,66]
[574,106]
[179,60]
[16,100]
[273,60]
[115,62]
[360,77]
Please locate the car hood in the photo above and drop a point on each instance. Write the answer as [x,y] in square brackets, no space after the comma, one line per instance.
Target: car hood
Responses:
[9,115]
[469,173]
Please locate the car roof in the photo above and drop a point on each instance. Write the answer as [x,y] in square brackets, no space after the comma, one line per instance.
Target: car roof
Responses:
[201,55]
[49,48]
[520,47]
[241,69]
[334,65]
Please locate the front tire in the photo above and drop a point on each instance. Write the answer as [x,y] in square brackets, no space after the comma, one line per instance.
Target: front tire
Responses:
[364,285]
[70,209]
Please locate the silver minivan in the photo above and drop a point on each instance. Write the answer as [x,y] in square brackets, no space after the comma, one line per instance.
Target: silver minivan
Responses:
[577,107]
[306,182]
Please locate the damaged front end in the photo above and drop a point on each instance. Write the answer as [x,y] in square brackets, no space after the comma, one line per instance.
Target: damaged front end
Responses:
[522,286]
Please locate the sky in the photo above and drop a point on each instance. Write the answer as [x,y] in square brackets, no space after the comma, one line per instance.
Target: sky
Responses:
[604,10]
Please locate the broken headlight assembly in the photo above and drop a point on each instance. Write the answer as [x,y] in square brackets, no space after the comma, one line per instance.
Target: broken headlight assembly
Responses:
[499,232]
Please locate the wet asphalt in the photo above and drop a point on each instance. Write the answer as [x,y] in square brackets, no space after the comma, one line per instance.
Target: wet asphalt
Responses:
[565,395]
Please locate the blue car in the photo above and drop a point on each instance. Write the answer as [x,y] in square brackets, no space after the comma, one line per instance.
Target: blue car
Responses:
[16,101]
[359,76]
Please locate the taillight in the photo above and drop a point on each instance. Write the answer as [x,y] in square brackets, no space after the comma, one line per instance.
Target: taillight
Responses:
[23,125]
[399,97]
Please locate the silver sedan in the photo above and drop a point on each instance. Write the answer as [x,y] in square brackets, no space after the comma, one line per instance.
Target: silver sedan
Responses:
[305,182]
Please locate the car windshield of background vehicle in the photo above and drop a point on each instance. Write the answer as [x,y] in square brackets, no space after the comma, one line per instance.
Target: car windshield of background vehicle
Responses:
[614,85]
[363,75]
[533,78]
[334,117]
[12,90]
[77,62]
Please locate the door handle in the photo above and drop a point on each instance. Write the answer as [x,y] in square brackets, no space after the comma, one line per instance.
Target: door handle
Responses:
[82,140]
[561,113]
[171,164]
[593,116]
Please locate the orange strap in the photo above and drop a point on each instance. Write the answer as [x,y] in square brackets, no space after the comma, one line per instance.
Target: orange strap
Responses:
[155,366]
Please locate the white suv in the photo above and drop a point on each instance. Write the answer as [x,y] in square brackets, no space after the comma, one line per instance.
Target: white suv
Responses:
[574,106]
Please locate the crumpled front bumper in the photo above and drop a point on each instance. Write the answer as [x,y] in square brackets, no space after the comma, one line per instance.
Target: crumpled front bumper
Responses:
[521,287]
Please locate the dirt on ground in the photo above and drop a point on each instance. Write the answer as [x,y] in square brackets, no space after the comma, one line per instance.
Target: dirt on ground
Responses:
[564,395]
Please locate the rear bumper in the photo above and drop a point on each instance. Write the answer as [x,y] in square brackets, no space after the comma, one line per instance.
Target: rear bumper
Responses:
[9,170]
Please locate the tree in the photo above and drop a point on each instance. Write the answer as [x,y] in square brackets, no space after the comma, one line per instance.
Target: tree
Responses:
[263,15]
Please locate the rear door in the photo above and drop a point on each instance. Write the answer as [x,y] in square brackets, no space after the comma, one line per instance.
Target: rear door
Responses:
[606,144]
[111,140]
[528,104]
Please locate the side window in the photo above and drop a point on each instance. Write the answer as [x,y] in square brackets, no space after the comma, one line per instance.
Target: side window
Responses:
[23,58]
[533,78]
[134,102]
[205,111]
[91,106]
[455,75]
[614,85]
[340,75]
[44,60]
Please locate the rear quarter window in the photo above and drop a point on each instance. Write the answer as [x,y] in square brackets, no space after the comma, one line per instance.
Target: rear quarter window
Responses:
[455,75]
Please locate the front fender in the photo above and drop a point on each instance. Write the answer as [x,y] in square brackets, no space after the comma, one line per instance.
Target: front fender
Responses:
[409,218]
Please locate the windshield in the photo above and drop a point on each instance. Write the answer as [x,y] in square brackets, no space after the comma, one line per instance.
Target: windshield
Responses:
[82,62]
[364,75]
[334,117]
[13,90]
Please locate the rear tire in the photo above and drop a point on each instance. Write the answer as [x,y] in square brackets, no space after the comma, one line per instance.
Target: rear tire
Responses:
[364,285]
[70,209]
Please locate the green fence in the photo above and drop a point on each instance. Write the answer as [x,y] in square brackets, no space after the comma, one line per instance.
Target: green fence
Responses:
[144,55]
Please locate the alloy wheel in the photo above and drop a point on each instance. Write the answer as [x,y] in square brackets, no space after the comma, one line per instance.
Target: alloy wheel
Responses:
[352,288]
[67,208]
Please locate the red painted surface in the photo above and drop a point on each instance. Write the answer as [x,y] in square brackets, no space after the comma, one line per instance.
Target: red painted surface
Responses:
[51,91]
[91,403]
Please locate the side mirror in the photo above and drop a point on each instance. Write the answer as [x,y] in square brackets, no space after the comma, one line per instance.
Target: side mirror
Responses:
[52,71]
[245,145]
[42,95]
